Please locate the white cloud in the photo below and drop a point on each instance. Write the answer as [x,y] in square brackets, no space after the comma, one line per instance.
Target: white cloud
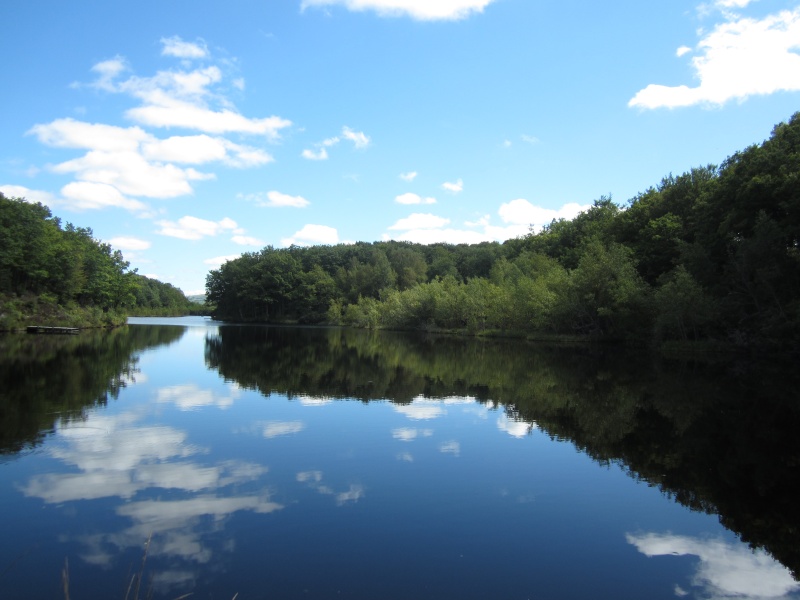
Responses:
[87,195]
[183,98]
[358,138]
[18,191]
[739,58]
[529,139]
[108,71]
[454,186]
[129,243]
[276,199]
[313,234]
[132,174]
[69,133]
[218,261]
[682,50]
[192,228]
[136,162]
[423,10]
[725,570]
[321,154]
[171,112]
[521,212]
[420,221]
[410,198]
[410,176]
[175,46]
[244,240]
[199,149]
[518,215]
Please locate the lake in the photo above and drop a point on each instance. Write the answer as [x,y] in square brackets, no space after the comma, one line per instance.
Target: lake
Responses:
[274,462]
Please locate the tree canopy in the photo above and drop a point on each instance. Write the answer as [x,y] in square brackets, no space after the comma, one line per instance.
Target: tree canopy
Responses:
[710,254]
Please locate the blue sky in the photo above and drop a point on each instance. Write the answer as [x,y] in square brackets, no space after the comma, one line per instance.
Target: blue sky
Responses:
[185,133]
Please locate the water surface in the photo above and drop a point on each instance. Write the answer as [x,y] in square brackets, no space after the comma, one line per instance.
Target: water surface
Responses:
[325,463]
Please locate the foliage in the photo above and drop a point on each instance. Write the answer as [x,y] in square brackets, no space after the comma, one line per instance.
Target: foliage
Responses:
[712,254]
[64,276]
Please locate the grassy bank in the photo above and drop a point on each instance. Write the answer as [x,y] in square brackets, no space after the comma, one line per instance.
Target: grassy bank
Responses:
[16,313]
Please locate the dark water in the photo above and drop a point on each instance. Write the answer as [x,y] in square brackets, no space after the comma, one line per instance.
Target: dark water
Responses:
[323,463]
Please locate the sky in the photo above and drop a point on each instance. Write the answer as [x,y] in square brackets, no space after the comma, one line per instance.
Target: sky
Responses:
[185,133]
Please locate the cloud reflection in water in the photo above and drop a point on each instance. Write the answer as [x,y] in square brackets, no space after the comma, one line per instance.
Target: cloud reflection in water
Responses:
[725,570]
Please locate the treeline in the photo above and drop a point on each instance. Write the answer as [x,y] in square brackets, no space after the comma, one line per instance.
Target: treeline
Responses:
[708,255]
[64,276]
[154,298]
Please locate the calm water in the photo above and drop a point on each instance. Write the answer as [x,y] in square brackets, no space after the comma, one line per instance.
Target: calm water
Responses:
[321,463]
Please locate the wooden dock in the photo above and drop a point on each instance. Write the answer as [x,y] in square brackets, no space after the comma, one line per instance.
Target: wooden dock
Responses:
[52,330]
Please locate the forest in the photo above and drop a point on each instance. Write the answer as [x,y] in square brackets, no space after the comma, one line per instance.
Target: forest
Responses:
[708,256]
[54,275]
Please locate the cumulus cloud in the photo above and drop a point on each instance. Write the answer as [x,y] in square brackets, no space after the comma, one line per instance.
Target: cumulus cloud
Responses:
[129,243]
[410,176]
[18,191]
[321,154]
[277,199]
[193,228]
[175,46]
[359,138]
[420,221]
[244,240]
[738,58]
[313,234]
[453,186]
[518,216]
[520,212]
[410,198]
[134,161]
[87,195]
[422,10]
[128,161]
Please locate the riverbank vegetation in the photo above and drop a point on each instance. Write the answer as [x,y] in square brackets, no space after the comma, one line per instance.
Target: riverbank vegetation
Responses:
[711,255]
[54,275]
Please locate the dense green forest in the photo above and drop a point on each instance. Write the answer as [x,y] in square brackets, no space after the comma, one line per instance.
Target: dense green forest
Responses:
[63,276]
[711,254]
